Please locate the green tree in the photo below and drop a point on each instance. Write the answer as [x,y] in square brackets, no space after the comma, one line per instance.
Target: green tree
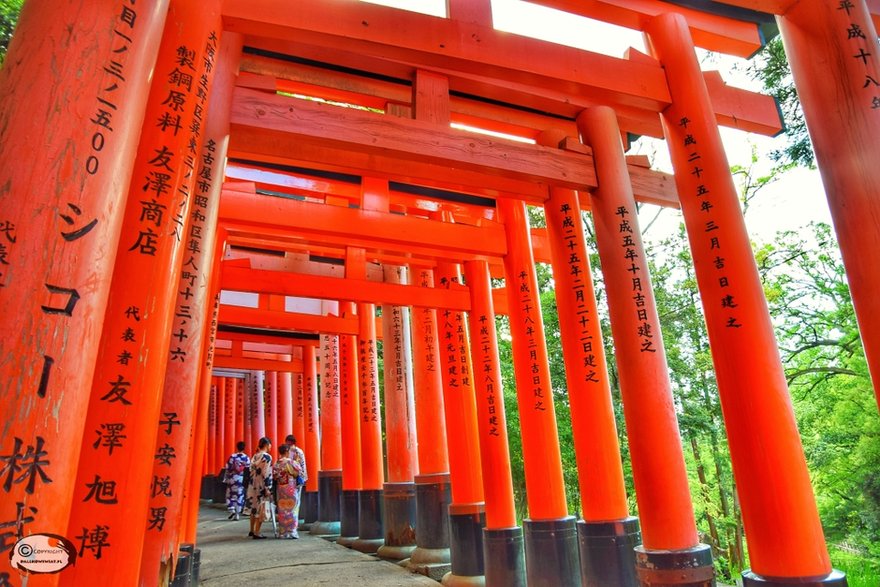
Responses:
[771,68]
[9,10]
[828,377]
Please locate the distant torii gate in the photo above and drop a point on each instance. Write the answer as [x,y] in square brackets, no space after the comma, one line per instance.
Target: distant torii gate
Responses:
[114,227]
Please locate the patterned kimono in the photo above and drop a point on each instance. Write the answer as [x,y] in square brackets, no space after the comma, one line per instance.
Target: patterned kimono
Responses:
[234,479]
[286,472]
[300,459]
[259,490]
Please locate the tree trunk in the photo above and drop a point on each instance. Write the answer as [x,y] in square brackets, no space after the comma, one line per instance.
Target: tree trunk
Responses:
[736,547]
[704,489]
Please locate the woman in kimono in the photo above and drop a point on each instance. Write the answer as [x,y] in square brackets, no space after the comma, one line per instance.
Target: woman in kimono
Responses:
[236,466]
[259,490]
[286,472]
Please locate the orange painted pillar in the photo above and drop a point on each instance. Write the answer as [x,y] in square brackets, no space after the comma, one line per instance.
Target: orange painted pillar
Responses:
[250,437]
[659,471]
[400,426]
[271,412]
[285,403]
[607,533]
[311,438]
[220,455]
[258,409]
[458,395]
[211,446]
[433,455]
[467,510]
[192,328]
[502,538]
[433,492]
[330,473]
[370,408]
[350,420]
[371,532]
[232,386]
[190,521]
[299,421]
[230,46]
[841,109]
[550,533]
[399,491]
[66,160]
[125,398]
[779,510]
[240,397]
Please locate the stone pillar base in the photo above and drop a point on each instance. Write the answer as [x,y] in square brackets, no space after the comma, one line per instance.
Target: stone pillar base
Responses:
[466,523]
[399,522]
[431,555]
[608,558]
[350,512]
[835,578]
[691,567]
[504,557]
[552,552]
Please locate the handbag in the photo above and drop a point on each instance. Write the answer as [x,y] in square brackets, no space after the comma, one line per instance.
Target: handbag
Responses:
[266,510]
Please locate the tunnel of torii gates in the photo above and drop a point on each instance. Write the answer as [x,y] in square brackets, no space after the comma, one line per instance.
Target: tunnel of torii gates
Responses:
[190,255]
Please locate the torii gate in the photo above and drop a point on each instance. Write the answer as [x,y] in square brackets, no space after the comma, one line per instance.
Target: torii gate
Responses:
[96,354]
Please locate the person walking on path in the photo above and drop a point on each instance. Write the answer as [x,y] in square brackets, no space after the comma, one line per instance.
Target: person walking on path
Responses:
[285,472]
[299,458]
[259,491]
[234,478]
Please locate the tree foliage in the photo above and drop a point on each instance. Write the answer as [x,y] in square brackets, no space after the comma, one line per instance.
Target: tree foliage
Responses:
[9,10]
[771,68]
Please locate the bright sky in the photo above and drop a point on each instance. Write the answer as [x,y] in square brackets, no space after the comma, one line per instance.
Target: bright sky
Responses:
[788,204]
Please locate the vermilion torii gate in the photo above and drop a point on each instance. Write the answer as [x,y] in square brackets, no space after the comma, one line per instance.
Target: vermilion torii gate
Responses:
[120,122]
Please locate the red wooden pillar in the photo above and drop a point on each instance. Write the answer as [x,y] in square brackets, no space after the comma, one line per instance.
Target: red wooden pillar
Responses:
[433,456]
[399,492]
[502,538]
[659,471]
[211,445]
[250,437]
[607,533]
[220,442]
[66,160]
[466,512]
[311,438]
[231,416]
[779,510]
[400,426]
[432,483]
[299,420]
[330,474]
[271,412]
[189,524]
[550,533]
[126,399]
[371,531]
[191,320]
[350,420]
[310,415]
[285,403]
[841,109]
[240,397]
[258,409]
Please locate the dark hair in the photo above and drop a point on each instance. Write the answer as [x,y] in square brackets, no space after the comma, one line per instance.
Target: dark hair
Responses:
[283,449]
[290,439]
[264,442]
[239,446]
